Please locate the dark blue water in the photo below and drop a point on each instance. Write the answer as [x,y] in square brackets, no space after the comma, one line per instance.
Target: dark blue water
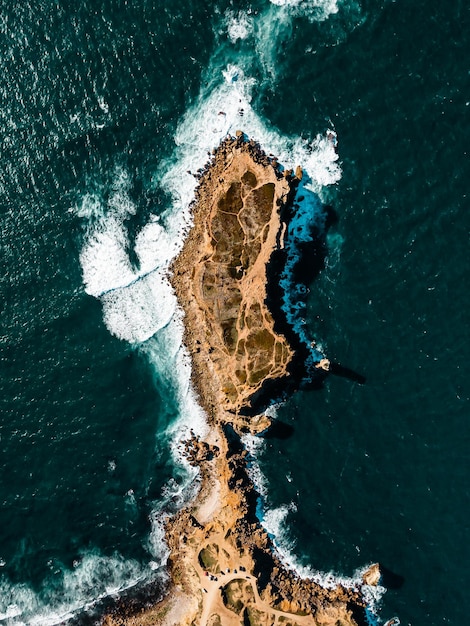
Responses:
[104,108]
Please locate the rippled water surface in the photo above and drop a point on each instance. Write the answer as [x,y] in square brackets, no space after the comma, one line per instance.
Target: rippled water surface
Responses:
[105,108]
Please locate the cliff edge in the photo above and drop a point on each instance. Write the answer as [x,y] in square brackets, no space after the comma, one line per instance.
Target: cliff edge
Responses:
[220,279]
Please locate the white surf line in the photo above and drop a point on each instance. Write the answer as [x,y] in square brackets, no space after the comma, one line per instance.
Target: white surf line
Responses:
[274,522]
[129,284]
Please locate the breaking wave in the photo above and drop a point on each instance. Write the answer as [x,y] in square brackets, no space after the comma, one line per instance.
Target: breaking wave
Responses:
[94,578]
[275,520]
[238,25]
[315,9]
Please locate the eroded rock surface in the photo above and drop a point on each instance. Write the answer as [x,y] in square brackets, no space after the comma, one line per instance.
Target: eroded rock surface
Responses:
[236,226]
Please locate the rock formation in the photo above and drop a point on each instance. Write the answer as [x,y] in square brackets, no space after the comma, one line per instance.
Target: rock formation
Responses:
[220,279]
[230,330]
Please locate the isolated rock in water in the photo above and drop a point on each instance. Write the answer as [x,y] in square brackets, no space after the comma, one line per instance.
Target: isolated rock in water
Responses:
[372,575]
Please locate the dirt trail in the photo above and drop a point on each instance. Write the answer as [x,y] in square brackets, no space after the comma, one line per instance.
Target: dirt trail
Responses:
[211,588]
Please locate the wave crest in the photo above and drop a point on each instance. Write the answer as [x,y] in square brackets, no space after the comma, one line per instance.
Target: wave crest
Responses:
[94,578]
[318,10]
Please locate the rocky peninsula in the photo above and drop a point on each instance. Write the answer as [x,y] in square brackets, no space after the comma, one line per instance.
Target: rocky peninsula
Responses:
[223,566]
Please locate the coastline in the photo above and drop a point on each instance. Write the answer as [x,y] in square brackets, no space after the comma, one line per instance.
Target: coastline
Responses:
[223,566]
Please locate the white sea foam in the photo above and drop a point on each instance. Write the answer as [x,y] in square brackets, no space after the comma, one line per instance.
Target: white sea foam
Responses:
[170,359]
[274,26]
[139,305]
[137,311]
[275,521]
[318,10]
[225,109]
[239,25]
[255,445]
[94,578]
[136,302]
[171,363]
[103,258]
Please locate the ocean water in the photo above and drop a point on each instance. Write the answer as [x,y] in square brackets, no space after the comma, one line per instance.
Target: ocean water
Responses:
[106,106]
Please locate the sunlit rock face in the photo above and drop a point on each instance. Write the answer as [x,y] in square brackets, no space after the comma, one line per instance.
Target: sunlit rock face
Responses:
[230,330]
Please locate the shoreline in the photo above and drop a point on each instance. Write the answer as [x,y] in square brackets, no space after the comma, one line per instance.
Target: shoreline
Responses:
[224,568]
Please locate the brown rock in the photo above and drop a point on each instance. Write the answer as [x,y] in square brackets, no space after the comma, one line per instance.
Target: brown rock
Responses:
[372,575]
[220,281]
[229,329]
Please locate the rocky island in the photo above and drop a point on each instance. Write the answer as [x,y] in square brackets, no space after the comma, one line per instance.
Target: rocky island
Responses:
[223,566]
[229,328]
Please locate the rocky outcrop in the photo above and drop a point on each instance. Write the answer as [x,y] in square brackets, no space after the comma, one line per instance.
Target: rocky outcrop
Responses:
[372,575]
[220,279]
[220,276]
[198,451]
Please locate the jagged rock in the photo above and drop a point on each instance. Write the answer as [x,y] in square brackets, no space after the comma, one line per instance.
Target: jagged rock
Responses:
[372,575]
[197,451]
[323,364]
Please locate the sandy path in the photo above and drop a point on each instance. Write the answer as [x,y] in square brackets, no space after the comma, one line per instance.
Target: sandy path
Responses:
[212,594]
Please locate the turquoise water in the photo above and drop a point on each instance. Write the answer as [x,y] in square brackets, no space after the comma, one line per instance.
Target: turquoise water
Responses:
[105,106]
